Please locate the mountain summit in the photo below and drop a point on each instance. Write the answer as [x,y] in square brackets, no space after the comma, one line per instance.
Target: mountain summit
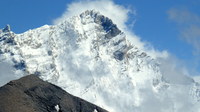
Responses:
[88,56]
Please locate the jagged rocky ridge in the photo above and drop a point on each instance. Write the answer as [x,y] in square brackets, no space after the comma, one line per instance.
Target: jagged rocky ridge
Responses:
[88,56]
[31,94]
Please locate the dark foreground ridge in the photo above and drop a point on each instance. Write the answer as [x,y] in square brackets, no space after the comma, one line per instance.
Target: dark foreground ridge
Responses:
[31,94]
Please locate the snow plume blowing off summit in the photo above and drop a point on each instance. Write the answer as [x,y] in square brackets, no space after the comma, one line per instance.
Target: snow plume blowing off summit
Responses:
[93,54]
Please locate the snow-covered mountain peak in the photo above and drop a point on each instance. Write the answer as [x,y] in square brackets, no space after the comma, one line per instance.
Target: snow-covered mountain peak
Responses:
[105,22]
[88,56]
[6,31]
[96,17]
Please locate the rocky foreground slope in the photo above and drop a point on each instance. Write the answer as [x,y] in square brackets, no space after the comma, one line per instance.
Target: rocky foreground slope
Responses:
[31,94]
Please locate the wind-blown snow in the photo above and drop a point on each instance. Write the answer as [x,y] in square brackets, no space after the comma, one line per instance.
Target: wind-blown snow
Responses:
[57,108]
[88,56]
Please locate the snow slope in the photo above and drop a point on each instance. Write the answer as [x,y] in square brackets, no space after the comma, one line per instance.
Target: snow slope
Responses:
[88,56]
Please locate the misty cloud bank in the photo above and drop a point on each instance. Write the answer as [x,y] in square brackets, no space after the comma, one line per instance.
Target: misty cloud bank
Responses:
[189,26]
[7,71]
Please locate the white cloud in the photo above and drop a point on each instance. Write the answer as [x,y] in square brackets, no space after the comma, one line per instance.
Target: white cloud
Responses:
[191,35]
[174,71]
[189,26]
[7,72]
[183,16]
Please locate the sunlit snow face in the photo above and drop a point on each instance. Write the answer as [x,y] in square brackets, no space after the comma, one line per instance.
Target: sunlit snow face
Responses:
[132,93]
[174,98]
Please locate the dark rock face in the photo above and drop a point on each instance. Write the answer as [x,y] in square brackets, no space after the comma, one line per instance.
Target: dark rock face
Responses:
[20,65]
[107,24]
[31,94]
[7,28]
[119,55]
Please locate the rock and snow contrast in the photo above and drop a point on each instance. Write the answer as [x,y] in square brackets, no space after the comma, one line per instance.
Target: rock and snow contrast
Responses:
[88,56]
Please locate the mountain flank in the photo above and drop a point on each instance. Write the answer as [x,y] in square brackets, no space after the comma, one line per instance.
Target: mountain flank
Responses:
[31,94]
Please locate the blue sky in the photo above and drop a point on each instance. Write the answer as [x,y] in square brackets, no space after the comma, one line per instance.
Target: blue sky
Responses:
[167,24]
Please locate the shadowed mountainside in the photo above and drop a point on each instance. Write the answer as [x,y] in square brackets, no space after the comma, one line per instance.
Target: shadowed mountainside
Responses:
[31,94]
